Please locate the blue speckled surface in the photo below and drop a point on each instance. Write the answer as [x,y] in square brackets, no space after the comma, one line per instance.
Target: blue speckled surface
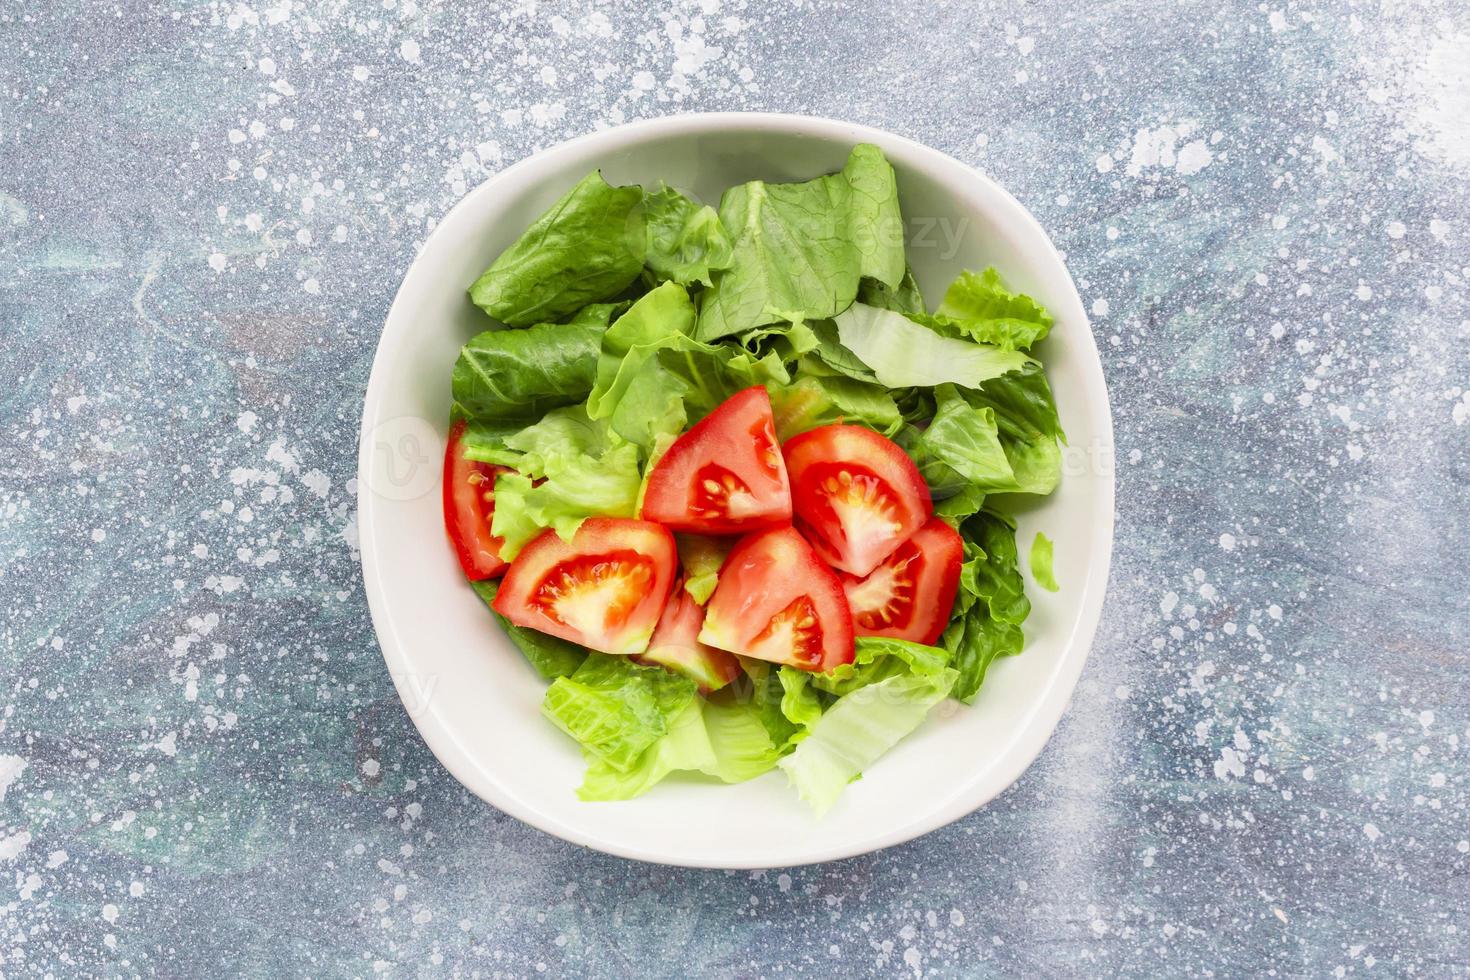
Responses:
[204,210]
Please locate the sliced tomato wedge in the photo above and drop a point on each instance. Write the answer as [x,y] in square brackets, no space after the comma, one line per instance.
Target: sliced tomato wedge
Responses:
[725,475]
[603,589]
[857,496]
[910,594]
[675,645]
[776,601]
[469,505]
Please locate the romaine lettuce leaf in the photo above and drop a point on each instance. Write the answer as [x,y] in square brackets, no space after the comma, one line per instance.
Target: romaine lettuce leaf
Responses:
[801,249]
[1026,418]
[903,353]
[980,306]
[681,380]
[906,298]
[991,604]
[686,241]
[723,740]
[561,432]
[586,247]
[799,702]
[616,709]
[875,224]
[1041,563]
[788,341]
[550,656]
[880,657]
[812,401]
[960,454]
[701,556]
[576,486]
[654,380]
[520,375]
[830,357]
[857,729]
[661,318]
[742,747]
[766,693]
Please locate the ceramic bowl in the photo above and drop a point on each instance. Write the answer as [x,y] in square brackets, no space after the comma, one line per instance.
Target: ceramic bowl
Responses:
[477,703]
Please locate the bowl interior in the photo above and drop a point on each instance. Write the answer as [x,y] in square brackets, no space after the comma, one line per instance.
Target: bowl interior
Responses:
[469,691]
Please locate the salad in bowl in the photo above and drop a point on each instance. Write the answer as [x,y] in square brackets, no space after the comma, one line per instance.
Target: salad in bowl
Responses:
[737,494]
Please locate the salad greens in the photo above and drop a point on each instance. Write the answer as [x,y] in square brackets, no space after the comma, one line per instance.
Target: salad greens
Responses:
[1041,563]
[625,316]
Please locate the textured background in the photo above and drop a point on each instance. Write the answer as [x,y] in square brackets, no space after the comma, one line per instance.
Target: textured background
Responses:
[204,210]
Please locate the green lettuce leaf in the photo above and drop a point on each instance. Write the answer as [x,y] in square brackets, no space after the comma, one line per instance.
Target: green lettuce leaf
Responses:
[980,306]
[766,694]
[692,379]
[906,298]
[550,656]
[857,729]
[801,249]
[686,241]
[990,606]
[701,557]
[520,375]
[875,223]
[788,341]
[799,702]
[587,247]
[654,380]
[561,432]
[662,318]
[960,454]
[616,709]
[723,740]
[831,357]
[903,353]
[576,486]
[809,402]
[878,658]
[1026,418]
[1041,563]
[742,747]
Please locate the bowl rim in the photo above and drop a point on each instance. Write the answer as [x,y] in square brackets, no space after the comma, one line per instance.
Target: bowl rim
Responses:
[1044,716]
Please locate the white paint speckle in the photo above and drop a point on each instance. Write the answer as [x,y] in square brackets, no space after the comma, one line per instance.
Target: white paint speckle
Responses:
[13,844]
[317,482]
[11,766]
[409,50]
[1194,156]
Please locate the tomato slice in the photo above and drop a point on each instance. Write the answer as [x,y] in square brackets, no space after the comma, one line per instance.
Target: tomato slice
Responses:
[725,475]
[675,645]
[776,601]
[469,504]
[856,494]
[910,594]
[603,589]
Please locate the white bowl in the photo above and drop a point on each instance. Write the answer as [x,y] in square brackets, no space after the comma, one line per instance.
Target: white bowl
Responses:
[475,700]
